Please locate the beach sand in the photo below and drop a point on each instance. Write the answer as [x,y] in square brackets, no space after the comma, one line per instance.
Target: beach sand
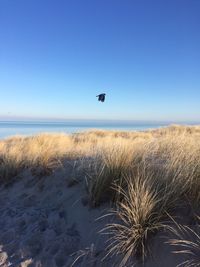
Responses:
[47,221]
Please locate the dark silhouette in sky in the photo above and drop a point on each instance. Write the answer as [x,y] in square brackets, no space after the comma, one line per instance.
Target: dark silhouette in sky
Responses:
[101,97]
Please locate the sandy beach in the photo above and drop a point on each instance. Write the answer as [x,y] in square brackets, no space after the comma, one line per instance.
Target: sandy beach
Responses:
[57,191]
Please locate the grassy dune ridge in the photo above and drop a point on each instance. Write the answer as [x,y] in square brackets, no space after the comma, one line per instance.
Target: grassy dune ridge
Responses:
[145,174]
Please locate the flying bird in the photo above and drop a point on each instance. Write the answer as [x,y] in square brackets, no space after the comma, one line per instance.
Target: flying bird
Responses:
[101,97]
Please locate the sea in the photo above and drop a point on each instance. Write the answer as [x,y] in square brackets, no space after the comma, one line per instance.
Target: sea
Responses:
[27,128]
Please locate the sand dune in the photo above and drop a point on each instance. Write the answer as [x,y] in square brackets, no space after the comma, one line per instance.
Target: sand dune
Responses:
[44,222]
[54,199]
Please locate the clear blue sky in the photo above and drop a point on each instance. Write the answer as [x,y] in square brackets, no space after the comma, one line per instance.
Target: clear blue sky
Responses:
[57,55]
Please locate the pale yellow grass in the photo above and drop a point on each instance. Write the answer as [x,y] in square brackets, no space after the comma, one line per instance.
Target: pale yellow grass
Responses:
[112,160]
[153,171]
[172,155]
[43,151]
[171,152]
[146,199]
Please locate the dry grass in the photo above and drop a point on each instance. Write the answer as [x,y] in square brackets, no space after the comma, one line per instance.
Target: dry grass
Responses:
[11,162]
[187,243]
[152,171]
[42,152]
[85,257]
[140,213]
[172,153]
[107,168]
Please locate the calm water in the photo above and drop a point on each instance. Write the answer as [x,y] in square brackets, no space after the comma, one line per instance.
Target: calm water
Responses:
[8,129]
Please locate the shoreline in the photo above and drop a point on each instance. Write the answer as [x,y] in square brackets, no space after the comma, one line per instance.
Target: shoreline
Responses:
[11,132]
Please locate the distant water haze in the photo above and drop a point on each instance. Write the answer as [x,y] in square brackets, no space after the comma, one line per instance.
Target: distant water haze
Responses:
[32,127]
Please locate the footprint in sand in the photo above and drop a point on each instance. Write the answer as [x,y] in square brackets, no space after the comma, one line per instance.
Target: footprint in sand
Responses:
[60,259]
[50,236]
[23,196]
[30,201]
[7,237]
[63,215]
[34,244]
[54,248]
[42,225]
[71,242]
[20,225]
[56,223]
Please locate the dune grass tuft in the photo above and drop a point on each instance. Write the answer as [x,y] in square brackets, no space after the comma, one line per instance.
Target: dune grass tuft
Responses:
[11,163]
[145,174]
[109,166]
[186,242]
[140,214]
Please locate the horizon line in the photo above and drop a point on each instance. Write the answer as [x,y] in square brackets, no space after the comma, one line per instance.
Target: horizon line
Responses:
[62,120]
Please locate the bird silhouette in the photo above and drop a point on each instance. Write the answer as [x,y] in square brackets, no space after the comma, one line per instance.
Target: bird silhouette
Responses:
[101,97]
